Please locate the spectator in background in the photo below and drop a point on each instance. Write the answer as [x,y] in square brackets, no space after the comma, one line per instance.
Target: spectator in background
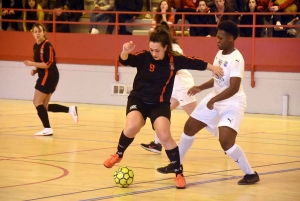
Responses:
[284,6]
[60,17]
[8,12]
[248,20]
[164,8]
[36,13]
[73,5]
[125,5]
[100,5]
[175,3]
[202,19]
[148,7]
[188,6]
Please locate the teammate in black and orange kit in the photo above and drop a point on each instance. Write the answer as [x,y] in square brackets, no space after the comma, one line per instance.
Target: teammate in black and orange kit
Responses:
[151,94]
[48,76]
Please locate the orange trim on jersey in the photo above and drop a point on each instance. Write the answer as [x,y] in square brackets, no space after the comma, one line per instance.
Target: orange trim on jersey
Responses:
[161,98]
[137,53]
[49,63]
[45,77]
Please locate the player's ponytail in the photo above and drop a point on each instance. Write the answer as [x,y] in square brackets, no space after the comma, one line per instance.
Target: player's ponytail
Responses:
[163,36]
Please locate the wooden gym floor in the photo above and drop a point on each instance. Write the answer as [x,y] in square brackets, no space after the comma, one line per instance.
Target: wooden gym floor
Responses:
[68,165]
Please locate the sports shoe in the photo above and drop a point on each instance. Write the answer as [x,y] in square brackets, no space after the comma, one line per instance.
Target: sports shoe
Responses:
[156,148]
[278,26]
[73,112]
[180,181]
[167,169]
[148,16]
[94,31]
[249,179]
[112,160]
[292,32]
[45,132]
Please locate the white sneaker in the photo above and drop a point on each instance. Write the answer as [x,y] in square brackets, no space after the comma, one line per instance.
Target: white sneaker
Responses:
[73,112]
[45,132]
[94,31]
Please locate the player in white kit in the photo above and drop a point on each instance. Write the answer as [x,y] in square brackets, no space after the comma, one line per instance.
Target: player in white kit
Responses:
[224,107]
[182,83]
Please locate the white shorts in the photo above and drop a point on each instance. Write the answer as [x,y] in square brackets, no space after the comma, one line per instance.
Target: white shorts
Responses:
[226,113]
[182,83]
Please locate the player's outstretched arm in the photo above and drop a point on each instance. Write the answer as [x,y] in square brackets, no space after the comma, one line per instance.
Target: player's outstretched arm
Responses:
[127,48]
[197,89]
[217,70]
[36,64]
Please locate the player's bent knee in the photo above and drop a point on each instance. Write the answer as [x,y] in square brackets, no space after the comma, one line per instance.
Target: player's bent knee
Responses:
[226,144]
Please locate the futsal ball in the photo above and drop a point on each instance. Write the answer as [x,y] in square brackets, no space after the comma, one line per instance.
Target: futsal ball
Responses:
[123,177]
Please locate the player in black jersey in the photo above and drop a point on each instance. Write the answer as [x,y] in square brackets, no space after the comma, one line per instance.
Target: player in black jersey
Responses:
[151,94]
[48,76]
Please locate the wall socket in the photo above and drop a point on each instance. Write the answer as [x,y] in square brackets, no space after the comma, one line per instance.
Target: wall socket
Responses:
[121,89]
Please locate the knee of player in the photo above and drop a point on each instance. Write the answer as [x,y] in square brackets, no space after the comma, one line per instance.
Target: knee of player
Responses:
[226,143]
[132,129]
[164,137]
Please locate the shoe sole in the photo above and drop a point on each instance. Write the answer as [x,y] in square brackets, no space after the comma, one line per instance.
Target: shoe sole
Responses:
[180,187]
[44,134]
[106,166]
[165,172]
[152,150]
[249,183]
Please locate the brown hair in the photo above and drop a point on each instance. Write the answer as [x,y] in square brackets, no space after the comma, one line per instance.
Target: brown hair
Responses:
[163,36]
[39,25]
[158,17]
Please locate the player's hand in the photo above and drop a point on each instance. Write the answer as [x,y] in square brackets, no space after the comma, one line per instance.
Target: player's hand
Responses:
[194,90]
[217,70]
[28,63]
[210,105]
[33,72]
[128,47]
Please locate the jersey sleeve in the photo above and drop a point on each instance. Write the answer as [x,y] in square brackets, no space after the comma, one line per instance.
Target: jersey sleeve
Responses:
[48,54]
[192,63]
[237,69]
[134,60]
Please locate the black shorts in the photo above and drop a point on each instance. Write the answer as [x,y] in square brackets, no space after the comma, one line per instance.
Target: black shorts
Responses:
[153,111]
[47,85]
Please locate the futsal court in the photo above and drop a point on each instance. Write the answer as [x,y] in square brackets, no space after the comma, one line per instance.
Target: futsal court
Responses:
[69,164]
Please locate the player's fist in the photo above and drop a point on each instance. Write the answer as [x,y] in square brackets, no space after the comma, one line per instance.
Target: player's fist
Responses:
[128,47]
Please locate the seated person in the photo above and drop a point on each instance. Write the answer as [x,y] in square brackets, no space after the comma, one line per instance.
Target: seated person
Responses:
[36,13]
[202,19]
[248,20]
[284,6]
[60,17]
[10,13]
[73,5]
[189,6]
[100,5]
[124,5]
[164,8]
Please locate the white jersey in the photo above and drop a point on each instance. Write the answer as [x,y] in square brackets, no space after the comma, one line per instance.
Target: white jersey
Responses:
[233,66]
[183,79]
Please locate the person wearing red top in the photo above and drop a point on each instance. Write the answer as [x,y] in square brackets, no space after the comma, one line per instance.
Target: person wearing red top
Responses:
[189,6]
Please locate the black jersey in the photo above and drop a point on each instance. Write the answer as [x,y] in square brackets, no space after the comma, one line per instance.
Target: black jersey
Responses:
[44,52]
[154,80]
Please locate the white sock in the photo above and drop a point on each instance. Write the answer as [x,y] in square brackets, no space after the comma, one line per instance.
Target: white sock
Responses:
[184,145]
[156,140]
[237,154]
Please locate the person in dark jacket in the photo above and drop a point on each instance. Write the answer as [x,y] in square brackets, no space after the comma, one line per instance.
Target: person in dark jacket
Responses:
[248,20]
[60,17]
[8,12]
[124,5]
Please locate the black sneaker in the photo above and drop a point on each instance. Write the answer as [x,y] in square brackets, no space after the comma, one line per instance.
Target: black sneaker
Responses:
[249,179]
[156,148]
[167,169]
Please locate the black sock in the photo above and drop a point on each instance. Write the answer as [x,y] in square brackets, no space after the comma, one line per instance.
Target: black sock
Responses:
[174,157]
[58,108]
[42,112]
[124,142]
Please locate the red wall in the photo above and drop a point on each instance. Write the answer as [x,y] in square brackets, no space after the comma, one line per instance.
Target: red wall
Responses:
[271,54]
